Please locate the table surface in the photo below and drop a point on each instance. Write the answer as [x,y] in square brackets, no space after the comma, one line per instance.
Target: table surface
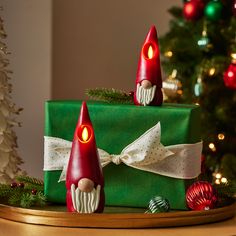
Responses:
[224,228]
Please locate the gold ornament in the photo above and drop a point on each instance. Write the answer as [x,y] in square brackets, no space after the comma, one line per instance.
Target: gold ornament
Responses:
[172,87]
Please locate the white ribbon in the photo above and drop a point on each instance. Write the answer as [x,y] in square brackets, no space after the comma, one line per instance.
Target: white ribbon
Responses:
[145,153]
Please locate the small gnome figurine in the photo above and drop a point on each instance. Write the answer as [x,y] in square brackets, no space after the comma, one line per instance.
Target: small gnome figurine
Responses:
[84,178]
[148,80]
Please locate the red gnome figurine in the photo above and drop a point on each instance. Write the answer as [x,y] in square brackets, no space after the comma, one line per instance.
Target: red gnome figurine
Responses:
[148,80]
[84,178]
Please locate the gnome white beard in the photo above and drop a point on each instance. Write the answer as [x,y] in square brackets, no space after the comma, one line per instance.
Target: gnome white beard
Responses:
[85,202]
[145,95]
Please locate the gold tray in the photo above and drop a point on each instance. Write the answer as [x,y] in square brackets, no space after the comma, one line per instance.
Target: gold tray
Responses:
[114,217]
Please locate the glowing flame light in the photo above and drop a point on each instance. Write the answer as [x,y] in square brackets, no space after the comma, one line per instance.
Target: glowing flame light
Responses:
[85,134]
[150,52]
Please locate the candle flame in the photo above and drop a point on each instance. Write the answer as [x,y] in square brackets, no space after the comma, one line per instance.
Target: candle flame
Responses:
[85,134]
[150,52]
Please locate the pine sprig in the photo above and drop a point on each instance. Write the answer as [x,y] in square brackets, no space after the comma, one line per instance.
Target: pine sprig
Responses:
[39,188]
[40,199]
[4,190]
[27,200]
[29,180]
[27,192]
[14,199]
[225,190]
[110,95]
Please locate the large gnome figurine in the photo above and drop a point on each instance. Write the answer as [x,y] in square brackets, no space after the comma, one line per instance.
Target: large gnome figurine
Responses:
[84,178]
[148,80]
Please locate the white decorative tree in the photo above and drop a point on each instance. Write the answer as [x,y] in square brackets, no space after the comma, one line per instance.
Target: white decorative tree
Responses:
[9,158]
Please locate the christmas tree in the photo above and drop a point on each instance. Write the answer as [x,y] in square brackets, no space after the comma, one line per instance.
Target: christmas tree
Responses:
[9,158]
[199,54]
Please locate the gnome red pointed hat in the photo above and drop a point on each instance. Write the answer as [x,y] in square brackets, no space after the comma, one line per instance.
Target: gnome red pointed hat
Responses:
[84,172]
[149,71]
[149,67]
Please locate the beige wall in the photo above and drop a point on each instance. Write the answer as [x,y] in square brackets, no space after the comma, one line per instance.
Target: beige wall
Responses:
[28,25]
[97,43]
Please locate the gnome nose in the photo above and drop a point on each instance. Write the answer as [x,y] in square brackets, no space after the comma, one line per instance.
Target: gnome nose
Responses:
[86,185]
[146,84]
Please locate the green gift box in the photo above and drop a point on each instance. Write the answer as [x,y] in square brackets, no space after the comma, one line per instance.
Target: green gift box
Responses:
[116,126]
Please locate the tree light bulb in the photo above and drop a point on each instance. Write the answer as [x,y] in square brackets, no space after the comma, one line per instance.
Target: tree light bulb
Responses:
[221,136]
[233,55]
[212,71]
[217,181]
[199,79]
[212,147]
[218,175]
[169,54]
[224,180]
[180,92]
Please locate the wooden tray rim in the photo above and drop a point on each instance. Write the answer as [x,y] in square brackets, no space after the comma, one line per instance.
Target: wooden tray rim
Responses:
[116,220]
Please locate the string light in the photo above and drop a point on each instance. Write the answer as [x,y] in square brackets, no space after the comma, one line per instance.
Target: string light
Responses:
[224,180]
[169,54]
[221,136]
[233,55]
[212,147]
[218,175]
[199,79]
[212,71]
[219,178]
[180,92]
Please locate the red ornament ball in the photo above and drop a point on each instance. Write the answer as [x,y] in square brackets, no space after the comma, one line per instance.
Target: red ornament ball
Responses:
[193,10]
[201,195]
[34,191]
[21,185]
[234,8]
[13,185]
[230,76]
[131,93]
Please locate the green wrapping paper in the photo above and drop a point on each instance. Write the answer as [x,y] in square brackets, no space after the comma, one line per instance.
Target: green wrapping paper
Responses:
[115,127]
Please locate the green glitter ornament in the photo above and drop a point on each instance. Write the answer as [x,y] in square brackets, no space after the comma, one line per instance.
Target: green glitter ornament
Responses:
[158,204]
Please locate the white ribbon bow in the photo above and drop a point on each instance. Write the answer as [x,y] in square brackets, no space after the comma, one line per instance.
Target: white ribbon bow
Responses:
[145,153]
